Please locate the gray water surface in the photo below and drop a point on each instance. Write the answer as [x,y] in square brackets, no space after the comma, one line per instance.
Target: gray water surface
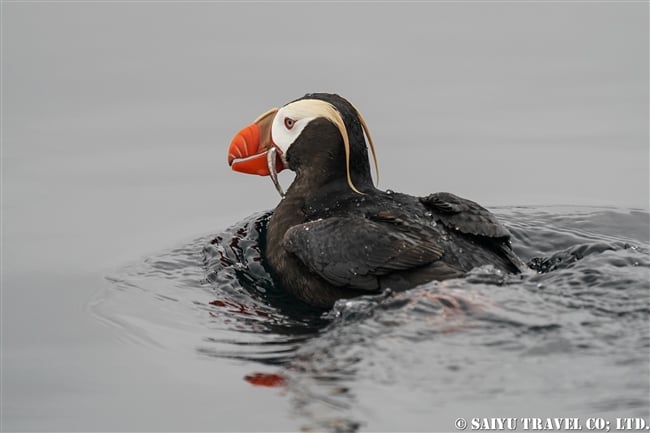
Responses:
[116,118]
[577,329]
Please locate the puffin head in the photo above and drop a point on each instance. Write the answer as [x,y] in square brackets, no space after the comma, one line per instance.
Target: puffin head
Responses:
[320,133]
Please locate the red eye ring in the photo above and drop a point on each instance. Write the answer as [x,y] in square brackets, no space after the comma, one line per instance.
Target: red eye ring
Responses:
[289,122]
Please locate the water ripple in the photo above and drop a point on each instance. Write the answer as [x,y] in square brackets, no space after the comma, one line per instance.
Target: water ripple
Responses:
[568,334]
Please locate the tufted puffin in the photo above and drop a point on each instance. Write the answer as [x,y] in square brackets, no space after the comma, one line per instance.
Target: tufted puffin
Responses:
[334,234]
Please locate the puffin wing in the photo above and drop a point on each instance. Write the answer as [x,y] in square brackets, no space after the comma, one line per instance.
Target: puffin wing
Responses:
[355,251]
[464,215]
[471,218]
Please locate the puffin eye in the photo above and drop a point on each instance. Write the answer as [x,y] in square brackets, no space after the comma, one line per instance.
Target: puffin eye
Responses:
[289,122]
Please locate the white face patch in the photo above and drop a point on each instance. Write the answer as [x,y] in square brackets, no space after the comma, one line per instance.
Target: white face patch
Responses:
[287,127]
[291,120]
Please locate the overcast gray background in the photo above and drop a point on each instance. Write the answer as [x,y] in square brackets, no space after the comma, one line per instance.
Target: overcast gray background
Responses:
[116,118]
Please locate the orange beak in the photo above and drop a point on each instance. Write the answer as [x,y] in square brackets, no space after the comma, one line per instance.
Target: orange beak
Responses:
[248,149]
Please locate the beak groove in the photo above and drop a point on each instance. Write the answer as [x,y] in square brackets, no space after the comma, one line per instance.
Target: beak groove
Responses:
[246,143]
[248,149]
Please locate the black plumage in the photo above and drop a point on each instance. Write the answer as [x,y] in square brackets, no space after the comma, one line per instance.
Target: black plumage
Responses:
[326,241]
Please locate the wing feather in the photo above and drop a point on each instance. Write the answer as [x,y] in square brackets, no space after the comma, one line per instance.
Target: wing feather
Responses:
[464,215]
[355,251]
